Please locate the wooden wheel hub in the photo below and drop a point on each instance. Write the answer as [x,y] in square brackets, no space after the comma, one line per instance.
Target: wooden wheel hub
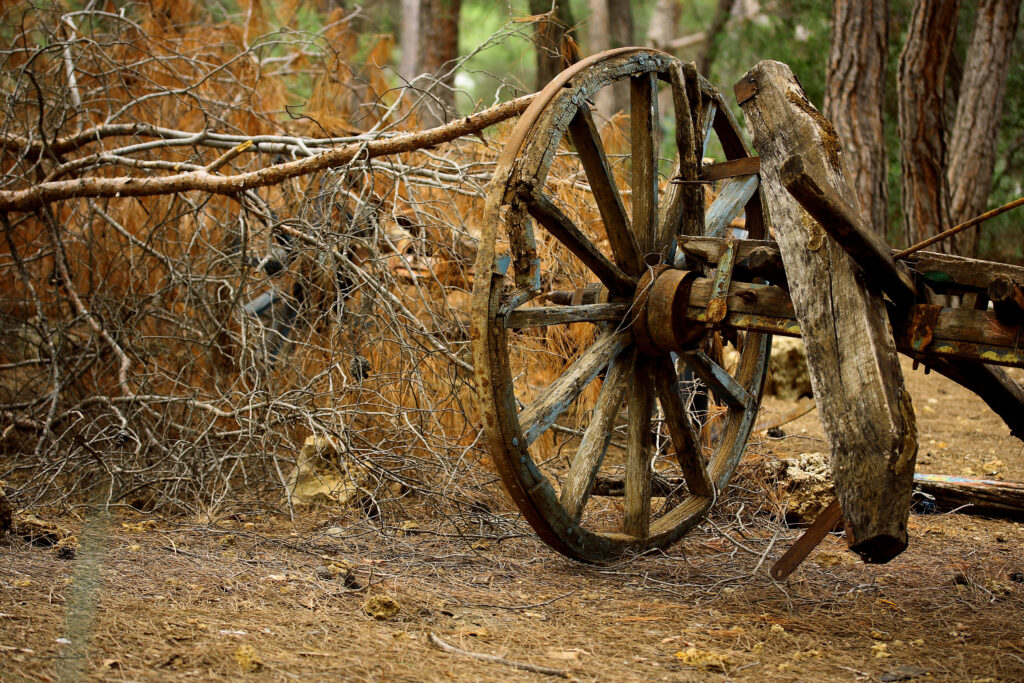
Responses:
[661,301]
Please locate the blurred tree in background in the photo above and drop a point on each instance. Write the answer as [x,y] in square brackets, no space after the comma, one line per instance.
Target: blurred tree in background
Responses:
[973,141]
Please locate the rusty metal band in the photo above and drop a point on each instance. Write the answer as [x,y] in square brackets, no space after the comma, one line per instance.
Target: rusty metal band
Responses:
[641,333]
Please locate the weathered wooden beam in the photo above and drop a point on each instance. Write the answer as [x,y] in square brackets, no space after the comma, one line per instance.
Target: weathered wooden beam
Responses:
[843,223]
[974,496]
[970,496]
[1007,299]
[851,354]
[941,272]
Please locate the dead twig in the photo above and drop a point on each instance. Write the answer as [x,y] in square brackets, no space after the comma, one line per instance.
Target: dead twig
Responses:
[494,659]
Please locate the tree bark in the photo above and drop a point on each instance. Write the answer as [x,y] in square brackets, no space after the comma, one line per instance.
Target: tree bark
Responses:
[972,149]
[707,55]
[664,19]
[921,82]
[611,26]
[855,100]
[555,39]
[437,46]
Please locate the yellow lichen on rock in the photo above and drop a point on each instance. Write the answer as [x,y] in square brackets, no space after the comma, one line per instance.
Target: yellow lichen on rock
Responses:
[381,607]
[247,660]
[704,659]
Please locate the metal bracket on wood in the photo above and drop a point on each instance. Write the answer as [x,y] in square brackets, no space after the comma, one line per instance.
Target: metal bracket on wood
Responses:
[745,88]
[717,306]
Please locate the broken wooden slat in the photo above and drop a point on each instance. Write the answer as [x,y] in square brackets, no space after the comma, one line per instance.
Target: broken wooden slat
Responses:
[851,354]
[558,395]
[824,523]
[729,204]
[731,169]
[543,316]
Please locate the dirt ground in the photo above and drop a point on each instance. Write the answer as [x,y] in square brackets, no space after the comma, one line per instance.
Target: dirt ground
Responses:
[332,597]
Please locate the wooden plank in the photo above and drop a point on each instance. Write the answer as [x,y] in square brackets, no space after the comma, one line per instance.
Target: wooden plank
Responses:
[644,138]
[981,496]
[941,271]
[855,372]
[731,169]
[637,514]
[587,141]
[577,485]
[559,395]
[565,231]
[729,204]
[543,316]
[842,222]
[685,441]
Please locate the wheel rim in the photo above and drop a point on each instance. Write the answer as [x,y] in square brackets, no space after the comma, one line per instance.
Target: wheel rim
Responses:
[554,499]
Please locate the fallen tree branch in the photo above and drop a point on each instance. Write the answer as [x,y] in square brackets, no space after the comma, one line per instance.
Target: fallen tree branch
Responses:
[522,666]
[32,198]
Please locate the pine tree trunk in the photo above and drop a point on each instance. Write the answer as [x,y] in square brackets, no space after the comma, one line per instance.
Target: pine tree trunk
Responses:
[611,26]
[972,149]
[707,55]
[921,82]
[554,39]
[855,99]
[664,20]
[438,44]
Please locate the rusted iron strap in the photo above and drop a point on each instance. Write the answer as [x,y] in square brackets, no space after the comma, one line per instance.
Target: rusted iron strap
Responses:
[923,318]
[717,307]
[792,558]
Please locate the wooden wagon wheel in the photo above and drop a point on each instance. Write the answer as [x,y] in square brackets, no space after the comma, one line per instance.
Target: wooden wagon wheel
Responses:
[536,365]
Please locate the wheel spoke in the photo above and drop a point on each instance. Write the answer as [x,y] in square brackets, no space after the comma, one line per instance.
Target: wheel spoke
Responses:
[561,315]
[707,122]
[560,394]
[587,141]
[565,231]
[644,151]
[721,383]
[579,482]
[685,207]
[729,204]
[637,516]
[684,438]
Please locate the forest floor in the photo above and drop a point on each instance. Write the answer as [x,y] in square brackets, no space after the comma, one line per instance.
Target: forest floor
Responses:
[277,599]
